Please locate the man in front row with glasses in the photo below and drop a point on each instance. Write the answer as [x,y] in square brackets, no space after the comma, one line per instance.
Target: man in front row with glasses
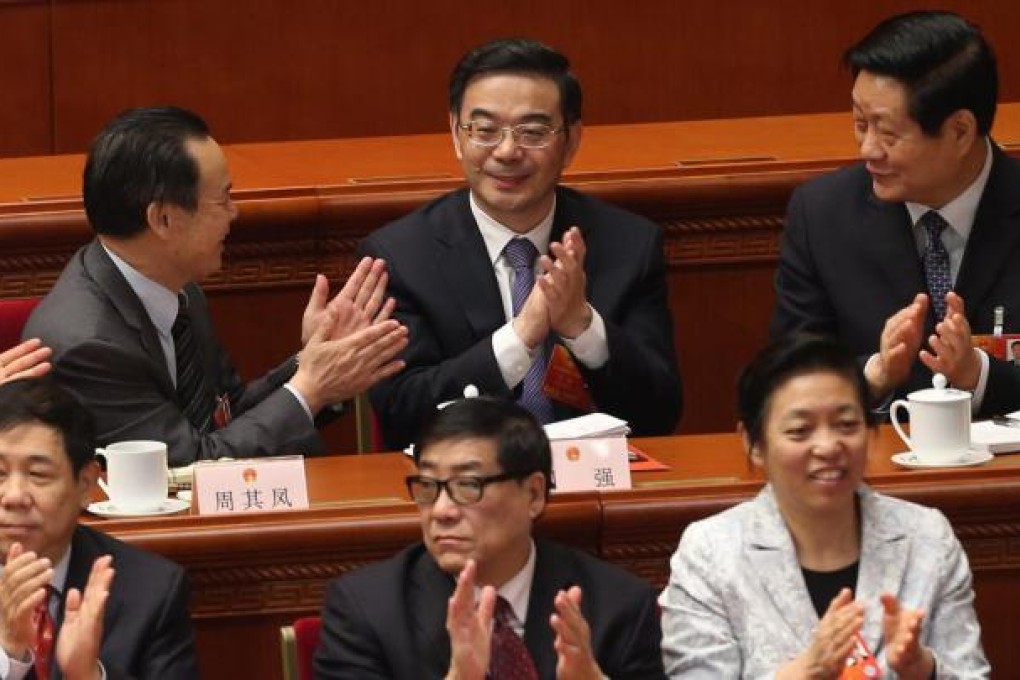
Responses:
[480,597]
[490,278]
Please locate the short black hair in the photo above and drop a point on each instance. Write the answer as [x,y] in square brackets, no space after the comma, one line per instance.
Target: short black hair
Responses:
[137,159]
[521,445]
[43,401]
[942,60]
[790,357]
[523,56]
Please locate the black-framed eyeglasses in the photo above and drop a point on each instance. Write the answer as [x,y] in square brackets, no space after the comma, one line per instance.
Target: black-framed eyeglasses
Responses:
[462,489]
[525,135]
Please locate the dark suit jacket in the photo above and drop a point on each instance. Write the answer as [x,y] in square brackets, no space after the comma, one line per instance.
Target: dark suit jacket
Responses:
[388,620]
[106,349]
[146,628]
[849,261]
[448,298]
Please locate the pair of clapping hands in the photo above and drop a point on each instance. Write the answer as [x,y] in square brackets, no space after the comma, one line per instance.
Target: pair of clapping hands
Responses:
[349,342]
[951,351]
[470,630]
[558,303]
[23,589]
[837,634]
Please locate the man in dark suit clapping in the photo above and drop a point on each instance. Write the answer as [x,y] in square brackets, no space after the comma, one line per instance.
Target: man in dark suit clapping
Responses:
[479,595]
[904,255]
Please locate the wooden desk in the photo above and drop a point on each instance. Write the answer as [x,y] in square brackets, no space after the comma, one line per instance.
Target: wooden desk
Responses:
[251,574]
[718,188]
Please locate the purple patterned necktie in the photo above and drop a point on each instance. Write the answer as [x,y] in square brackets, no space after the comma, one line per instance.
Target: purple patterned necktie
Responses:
[936,263]
[521,254]
[509,658]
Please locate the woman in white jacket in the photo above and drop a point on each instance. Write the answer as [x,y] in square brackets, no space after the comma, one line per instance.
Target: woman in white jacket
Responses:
[817,571]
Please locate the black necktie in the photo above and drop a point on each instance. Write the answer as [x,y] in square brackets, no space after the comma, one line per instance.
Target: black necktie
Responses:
[936,262]
[193,397]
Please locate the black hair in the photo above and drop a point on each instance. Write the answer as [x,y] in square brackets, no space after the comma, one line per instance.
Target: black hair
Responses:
[43,401]
[518,55]
[790,357]
[140,158]
[941,59]
[521,445]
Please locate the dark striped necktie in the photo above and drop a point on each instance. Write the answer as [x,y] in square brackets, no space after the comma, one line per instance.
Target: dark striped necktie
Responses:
[193,396]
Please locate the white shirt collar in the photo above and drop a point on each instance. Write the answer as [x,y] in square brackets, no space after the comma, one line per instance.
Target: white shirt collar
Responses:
[496,235]
[160,302]
[960,212]
[517,591]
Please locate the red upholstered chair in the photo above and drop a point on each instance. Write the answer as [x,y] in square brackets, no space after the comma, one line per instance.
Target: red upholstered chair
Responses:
[297,646]
[14,314]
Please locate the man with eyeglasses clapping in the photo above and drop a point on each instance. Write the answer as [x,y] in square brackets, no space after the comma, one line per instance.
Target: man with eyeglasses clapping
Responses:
[513,274]
[479,597]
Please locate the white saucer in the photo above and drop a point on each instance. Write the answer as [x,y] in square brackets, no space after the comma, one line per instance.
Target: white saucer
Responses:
[108,509]
[909,459]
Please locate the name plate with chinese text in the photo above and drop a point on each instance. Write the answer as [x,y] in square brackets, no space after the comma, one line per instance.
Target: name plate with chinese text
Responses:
[592,464]
[244,486]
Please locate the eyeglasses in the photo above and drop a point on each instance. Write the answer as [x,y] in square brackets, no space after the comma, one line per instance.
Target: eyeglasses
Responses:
[462,490]
[525,135]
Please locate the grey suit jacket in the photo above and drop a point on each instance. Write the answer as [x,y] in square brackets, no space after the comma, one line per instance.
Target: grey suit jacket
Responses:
[107,351]
[737,606]
[848,262]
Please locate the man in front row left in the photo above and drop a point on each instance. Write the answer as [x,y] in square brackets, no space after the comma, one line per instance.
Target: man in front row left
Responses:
[64,613]
[479,597]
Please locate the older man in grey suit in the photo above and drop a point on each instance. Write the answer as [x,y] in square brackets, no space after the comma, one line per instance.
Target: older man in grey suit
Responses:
[130,329]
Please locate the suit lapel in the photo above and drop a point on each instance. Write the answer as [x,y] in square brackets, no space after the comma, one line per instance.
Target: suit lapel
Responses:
[429,591]
[84,552]
[463,262]
[994,240]
[769,548]
[885,551]
[551,575]
[104,272]
[889,237]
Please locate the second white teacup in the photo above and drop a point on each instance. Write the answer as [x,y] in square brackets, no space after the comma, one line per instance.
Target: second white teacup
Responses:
[136,475]
[939,424]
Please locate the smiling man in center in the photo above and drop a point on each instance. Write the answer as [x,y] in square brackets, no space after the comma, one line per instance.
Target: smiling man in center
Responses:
[490,278]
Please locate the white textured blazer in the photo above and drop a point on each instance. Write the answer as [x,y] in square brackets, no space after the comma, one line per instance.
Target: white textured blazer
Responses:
[737,606]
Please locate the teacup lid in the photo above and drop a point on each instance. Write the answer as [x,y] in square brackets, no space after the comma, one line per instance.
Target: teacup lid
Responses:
[939,392]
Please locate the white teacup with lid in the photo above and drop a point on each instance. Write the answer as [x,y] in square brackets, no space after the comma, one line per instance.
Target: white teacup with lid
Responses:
[939,422]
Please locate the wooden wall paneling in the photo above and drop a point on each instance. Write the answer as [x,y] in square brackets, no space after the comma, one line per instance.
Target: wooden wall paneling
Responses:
[284,70]
[25,120]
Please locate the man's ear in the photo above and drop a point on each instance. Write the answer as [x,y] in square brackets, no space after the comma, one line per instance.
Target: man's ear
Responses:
[536,484]
[962,128]
[573,142]
[157,219]
[87,482]
[454,122]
